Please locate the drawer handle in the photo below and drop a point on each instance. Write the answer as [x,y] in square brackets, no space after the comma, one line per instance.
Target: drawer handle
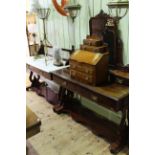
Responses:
[73,73]
[94,98]
[64,83]
[86,78]
[87,71]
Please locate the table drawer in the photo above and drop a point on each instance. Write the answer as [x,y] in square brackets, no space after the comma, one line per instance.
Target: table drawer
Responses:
[64,83]
[60,81]
[46,75]
[82,67]
[39,72]
[36,70]
[101,100]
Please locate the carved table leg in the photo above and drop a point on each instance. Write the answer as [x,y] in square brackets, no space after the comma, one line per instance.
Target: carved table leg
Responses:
[64,98]
[35,83]
[58,108]
[116,146]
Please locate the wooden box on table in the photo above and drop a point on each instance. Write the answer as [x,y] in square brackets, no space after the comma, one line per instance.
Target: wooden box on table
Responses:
[93,41]
[89,67]
[100,49]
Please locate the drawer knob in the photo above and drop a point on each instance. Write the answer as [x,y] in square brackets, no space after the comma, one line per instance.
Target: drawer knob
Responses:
[94,98]
[87,70]
[86,78]
[64,83]
[73,73]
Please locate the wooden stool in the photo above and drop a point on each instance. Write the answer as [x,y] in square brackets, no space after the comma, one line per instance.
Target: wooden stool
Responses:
[32,123]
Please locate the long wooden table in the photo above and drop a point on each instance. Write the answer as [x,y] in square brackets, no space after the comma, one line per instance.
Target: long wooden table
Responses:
[113,96]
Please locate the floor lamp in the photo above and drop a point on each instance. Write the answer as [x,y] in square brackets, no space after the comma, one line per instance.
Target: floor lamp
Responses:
[73,11]
[43,13]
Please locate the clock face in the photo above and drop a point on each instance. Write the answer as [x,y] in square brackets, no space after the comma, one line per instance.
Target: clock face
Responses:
[59,6]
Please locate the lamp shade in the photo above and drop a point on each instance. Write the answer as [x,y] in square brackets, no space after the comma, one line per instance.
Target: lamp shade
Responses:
[34,5]
[115,7]
[72,10]
[43,13]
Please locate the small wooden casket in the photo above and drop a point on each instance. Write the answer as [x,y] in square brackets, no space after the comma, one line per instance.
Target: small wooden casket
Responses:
[93,41]
[89,67]
[100,49]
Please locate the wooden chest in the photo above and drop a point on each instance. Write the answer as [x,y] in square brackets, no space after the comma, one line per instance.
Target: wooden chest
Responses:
[100,49]
[93,41]
[89,67]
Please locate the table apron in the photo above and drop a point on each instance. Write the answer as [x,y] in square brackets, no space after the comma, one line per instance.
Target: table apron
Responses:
[99,99]
[40,72]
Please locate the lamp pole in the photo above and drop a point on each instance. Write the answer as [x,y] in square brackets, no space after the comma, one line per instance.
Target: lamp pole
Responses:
[43,14]
[72,10]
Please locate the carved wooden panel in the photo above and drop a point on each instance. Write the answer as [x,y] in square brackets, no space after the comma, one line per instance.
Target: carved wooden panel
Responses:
[97,24]
[105,27]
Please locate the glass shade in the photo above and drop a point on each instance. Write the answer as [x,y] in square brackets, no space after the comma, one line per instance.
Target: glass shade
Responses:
[43,13]
[116,7]
[73,10]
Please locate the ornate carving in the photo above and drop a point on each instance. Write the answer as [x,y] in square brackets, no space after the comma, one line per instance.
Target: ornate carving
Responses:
[104,26]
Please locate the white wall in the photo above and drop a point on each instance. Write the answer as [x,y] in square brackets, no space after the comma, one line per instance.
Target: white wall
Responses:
[58,25]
